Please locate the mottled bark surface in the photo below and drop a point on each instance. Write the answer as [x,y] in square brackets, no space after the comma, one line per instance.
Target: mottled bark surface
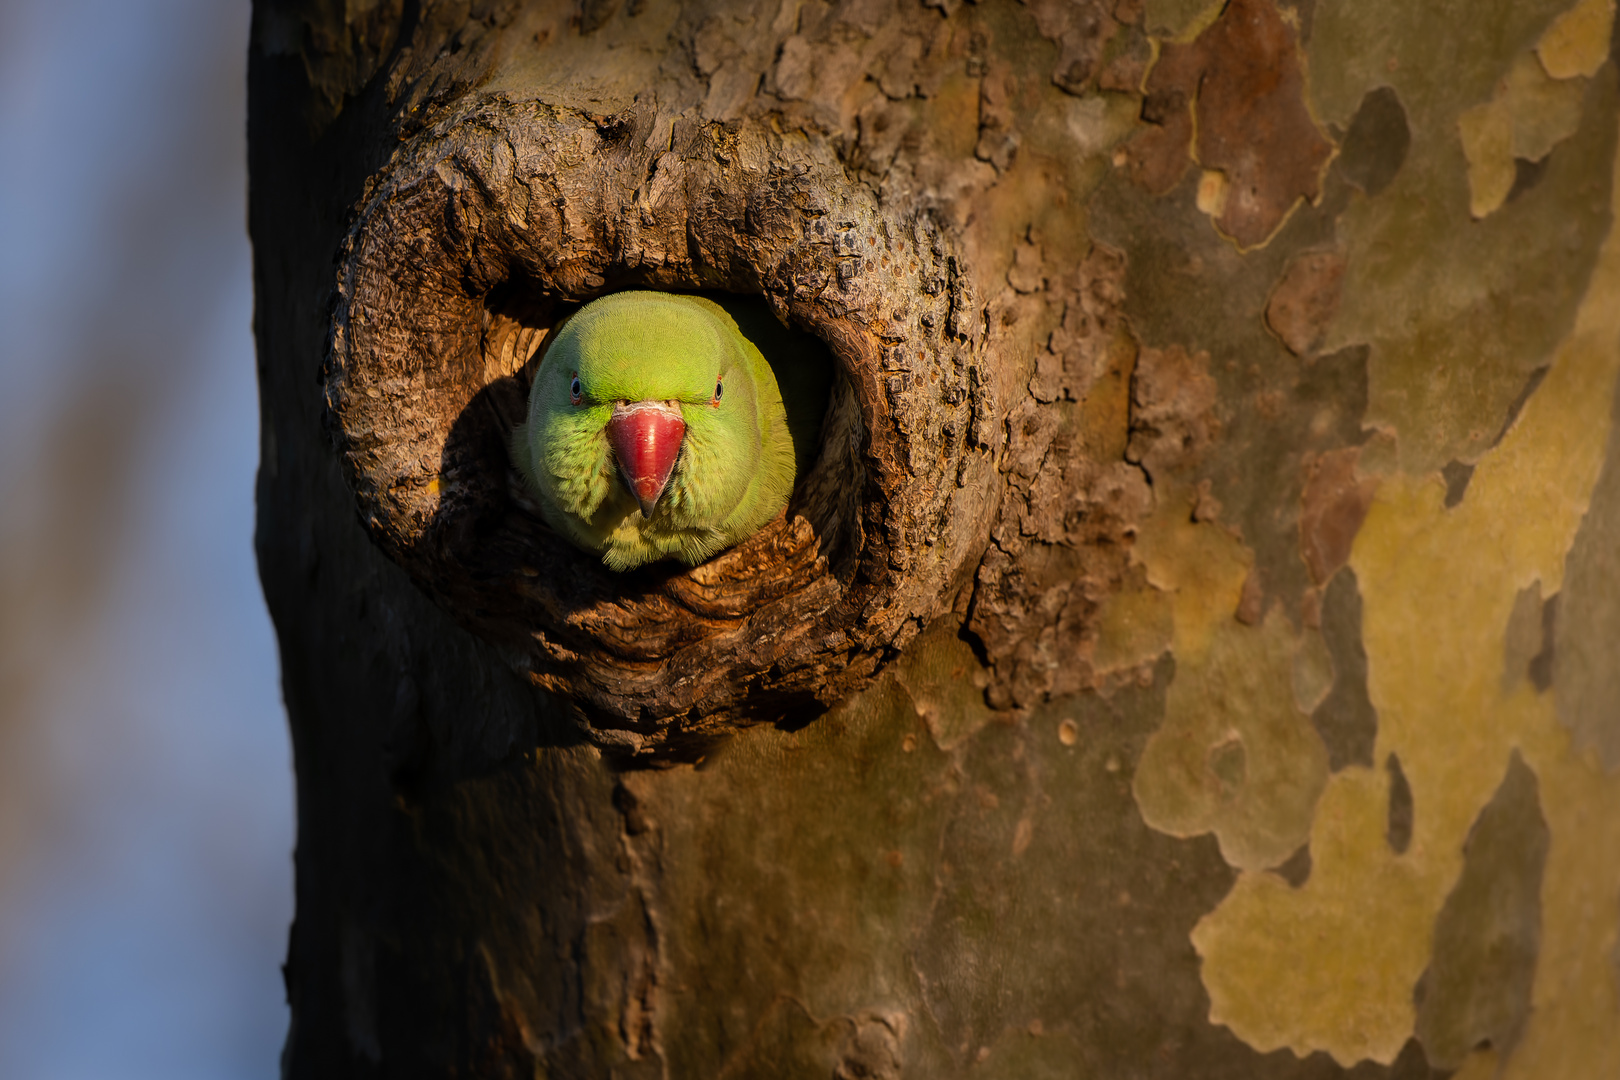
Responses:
[1169,669]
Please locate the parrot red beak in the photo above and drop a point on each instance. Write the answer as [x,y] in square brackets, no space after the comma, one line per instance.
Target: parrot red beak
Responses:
[646,439]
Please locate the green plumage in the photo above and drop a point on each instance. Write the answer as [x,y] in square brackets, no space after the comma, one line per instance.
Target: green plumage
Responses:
[741,451]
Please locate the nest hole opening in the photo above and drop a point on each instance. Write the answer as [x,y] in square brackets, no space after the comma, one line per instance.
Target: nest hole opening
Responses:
[520,320]
[466,259]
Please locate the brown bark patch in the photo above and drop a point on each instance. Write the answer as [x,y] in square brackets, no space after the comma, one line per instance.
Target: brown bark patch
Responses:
[1159,156]
[1084,33]
[1345,718]
[1240,85]
[1376,144]
[1577,638]
[1332,507]
[1060,547]
[1398,827]
[871,1048]
[1488,935]
[1173,419]
[1305,300]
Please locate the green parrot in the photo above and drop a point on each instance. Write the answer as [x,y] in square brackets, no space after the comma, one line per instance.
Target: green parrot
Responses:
[657,428]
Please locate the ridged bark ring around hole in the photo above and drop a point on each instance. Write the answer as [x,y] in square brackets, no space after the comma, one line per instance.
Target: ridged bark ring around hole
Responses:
[470,245]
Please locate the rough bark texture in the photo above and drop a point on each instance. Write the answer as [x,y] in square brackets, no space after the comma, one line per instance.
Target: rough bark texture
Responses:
[1169,668]
[497,220]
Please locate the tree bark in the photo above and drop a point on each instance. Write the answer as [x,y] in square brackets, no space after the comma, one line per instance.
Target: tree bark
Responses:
[1190,656]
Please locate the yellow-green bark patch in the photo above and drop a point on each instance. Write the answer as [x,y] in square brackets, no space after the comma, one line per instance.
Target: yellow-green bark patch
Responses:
[1332,965]
[1457,315]
[1577,42]
[946,684]
[1235,756]
[1530,113]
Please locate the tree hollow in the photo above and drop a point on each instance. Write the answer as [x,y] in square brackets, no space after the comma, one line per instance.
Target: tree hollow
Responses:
[477,239]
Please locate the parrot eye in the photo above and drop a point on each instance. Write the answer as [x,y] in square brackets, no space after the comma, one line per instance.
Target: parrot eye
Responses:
[719,388]
[574,390]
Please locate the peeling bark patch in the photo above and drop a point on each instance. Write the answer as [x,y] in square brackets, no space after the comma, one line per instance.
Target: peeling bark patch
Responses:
[1456,474]
[871,1048]
[1332,965]
[1084,32]
[1526,175]
[1250,773]
[1488,935]
[1092,339]
[946,683]
[1530,113]
[1454,339]
[1234,97]
[1060,548]
[1195,289]
[1173,420]
[1285,965]
[1346,719]
[1398,832]
[1297,869]
[1377,142]
[1333,505]
[1202,567]
[998,128]
[1536,106]
[1135,626]
[1159,157]
[1578,41]
[1523,638]
[1305,300]
[1541,664]
[1587,627]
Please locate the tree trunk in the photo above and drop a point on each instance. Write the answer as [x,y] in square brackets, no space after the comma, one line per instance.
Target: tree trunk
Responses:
[1191,655]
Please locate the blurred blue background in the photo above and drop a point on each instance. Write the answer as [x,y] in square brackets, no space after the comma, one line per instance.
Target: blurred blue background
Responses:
[146,819]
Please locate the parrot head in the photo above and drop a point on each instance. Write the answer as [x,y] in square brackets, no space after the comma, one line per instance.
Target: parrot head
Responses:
[644,432]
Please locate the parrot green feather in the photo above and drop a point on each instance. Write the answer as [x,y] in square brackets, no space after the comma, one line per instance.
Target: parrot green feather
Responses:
[740,453]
